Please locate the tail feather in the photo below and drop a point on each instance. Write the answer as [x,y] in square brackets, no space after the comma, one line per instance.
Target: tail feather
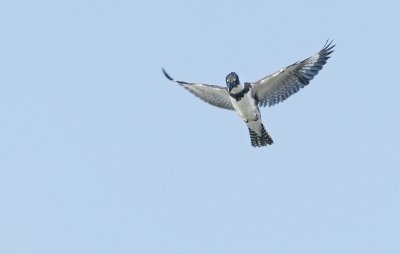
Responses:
[263,140]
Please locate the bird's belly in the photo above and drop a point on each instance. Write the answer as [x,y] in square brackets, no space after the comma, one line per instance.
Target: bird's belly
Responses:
[246,108]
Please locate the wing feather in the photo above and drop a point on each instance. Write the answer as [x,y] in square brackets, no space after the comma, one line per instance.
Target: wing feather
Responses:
[214,95]
[278,86]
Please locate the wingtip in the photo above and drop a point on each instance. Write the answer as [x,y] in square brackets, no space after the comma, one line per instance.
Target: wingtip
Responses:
[328,45]
[167,75]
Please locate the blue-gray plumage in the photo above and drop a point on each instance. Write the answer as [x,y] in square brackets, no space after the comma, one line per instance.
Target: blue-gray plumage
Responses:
[245,98]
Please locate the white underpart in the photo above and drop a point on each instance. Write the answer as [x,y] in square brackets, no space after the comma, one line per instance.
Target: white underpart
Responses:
[247,109]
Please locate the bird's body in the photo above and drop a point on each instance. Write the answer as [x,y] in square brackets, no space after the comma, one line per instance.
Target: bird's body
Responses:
[248,110]
[245,106]
[245,98]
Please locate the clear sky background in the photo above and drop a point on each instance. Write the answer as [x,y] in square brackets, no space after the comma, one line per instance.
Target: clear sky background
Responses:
[99,153]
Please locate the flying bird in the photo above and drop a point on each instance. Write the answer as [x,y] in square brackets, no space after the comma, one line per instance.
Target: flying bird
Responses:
[246,98]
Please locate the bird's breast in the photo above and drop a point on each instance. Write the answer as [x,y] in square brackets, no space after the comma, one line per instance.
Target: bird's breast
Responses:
[246,107]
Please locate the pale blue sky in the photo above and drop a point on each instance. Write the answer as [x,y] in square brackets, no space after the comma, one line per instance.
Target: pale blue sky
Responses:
[99,153]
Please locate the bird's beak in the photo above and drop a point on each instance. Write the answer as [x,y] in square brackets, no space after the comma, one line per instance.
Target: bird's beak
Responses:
[230,86]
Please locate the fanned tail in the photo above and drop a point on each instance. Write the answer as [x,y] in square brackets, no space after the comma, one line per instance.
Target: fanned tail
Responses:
[263,140]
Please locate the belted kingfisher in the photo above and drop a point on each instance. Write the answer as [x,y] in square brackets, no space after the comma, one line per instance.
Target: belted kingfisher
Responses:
[246,98]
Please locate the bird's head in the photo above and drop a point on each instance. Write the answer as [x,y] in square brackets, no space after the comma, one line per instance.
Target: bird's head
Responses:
[232,81]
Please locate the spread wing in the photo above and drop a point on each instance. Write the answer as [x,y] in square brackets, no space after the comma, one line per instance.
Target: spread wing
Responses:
[280,85]
[215,95]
